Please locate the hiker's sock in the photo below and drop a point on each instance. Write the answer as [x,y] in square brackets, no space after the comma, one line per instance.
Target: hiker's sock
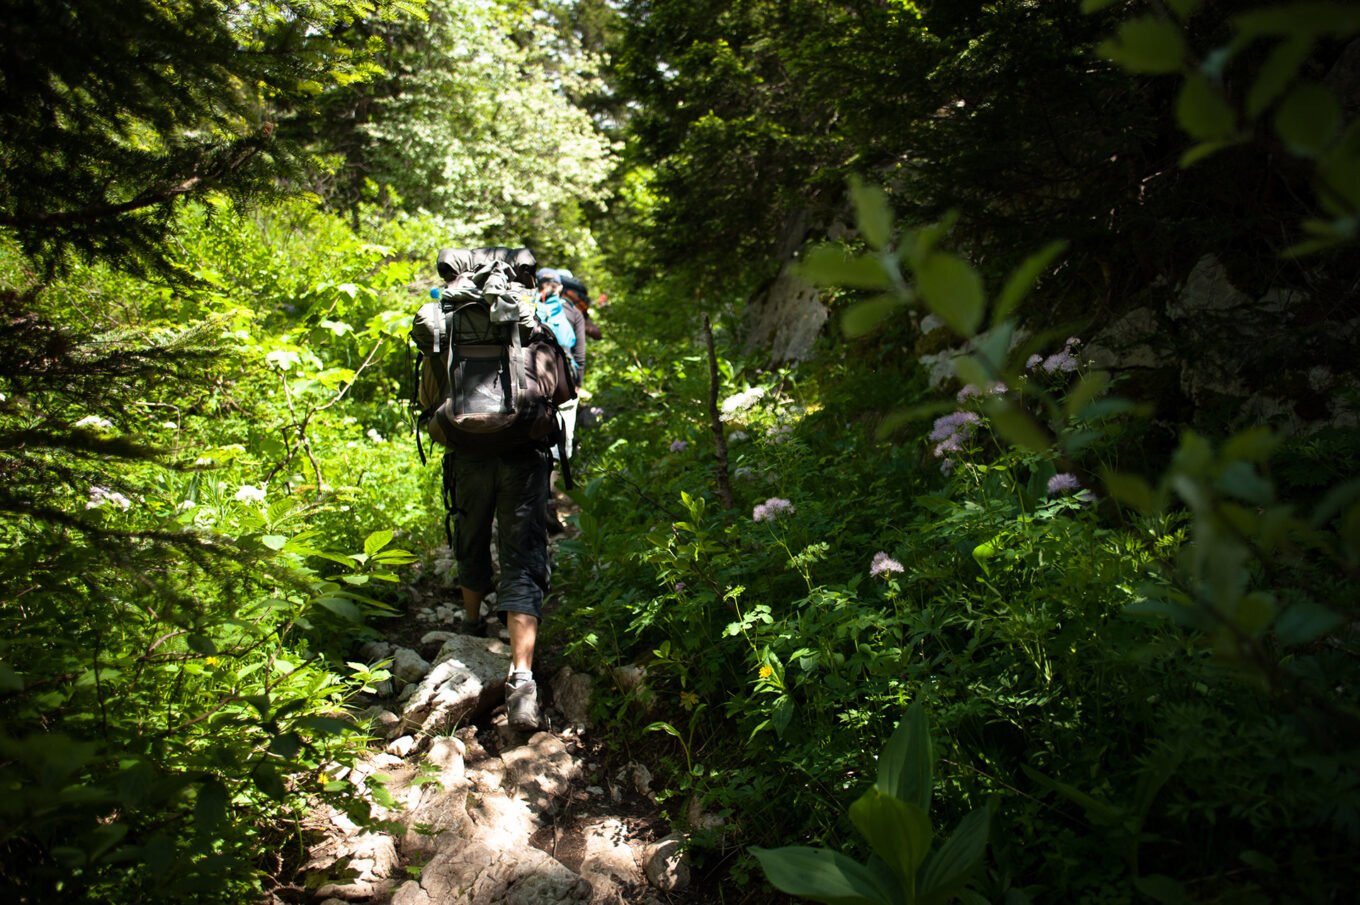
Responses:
[518,677]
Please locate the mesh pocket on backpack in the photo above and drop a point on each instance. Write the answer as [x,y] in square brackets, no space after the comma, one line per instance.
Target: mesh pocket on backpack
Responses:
[483,382]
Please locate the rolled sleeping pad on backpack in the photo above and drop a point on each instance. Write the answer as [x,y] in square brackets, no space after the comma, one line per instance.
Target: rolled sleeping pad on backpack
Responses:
[450,262]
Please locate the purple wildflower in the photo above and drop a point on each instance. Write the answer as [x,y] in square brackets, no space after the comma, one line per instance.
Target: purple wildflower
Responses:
[772,509]
[679,587]
[951,431]
[1063,483]
[968,392]
[679,445]
[1033,361]
[883,564]
[1060,361]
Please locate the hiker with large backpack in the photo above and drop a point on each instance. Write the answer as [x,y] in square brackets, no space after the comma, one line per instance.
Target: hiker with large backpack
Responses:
[574,292]
[569,328]
[492,378]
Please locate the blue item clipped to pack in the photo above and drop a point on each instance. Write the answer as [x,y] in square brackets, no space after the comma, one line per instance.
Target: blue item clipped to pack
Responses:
[550,312]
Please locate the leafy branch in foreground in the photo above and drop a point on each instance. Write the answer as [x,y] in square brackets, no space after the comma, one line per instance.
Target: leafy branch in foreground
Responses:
[893,816]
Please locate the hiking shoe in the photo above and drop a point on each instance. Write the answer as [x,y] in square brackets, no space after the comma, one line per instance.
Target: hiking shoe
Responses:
[474,627]
[555,525]
[521,705]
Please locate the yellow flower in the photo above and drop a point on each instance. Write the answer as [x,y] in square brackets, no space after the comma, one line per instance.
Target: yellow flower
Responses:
[212,661]
[766,671]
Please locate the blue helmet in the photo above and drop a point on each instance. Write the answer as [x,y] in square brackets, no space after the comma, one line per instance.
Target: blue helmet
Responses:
[547,273]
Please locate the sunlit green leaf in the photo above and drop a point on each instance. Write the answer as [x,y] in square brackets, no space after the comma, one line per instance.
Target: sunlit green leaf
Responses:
[862,317]
[898,831]
[832,265]
[377,540]
[952,289]
[873,212]
[1146,44]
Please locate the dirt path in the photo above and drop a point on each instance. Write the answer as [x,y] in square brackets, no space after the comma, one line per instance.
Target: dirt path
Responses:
[474,812]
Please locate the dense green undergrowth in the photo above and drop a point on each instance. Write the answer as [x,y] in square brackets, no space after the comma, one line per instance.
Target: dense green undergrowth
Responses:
[209,489]
[1153,709]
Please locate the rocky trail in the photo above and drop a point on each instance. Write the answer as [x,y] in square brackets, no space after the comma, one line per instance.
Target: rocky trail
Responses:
[475,813]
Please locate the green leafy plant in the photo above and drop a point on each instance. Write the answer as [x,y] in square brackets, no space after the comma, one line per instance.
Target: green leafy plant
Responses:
[894,818]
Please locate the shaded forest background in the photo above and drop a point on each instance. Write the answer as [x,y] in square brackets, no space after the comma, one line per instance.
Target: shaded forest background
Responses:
[1032,399]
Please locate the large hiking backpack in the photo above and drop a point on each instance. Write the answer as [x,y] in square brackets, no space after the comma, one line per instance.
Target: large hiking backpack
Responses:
[490,376]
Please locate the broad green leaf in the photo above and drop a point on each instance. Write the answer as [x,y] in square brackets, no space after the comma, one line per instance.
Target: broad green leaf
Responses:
[873,212]
[1339,172]
[274,541]
[1130,489]
[904,416]
[897,831]
[954,863]
[1183,8]
[832,265]
[1201,151]
[1294,19]
[862,317]
[1202,112]
[1254,613]
[1337,499]
[915,246]
[1276,73]
[1088,388]
[906,764]
[1023,279]
[1146,44]
[1308,118]
[1256,444]
[377,540]
[268,781]
[1305,622]
[342,607]
[1242,481]
[210,806]
[953,290]
[821,875]
[1016,425]
[971,371]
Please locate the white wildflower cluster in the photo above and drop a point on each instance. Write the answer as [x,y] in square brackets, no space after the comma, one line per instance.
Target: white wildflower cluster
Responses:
[249,493]
[1063,361]
[94,422]
[771,509]
[375,436]
[103,496]
[883,564]
[735,405]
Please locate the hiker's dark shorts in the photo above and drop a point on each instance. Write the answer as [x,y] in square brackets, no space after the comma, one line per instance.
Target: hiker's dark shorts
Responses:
[513,489]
